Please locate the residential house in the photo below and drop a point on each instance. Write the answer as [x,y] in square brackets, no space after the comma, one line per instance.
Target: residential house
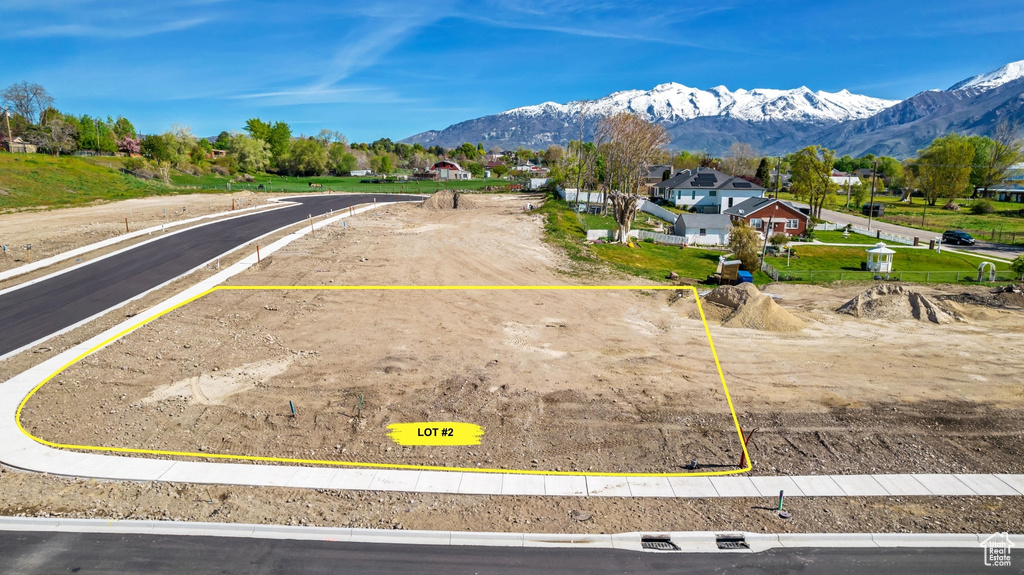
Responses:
[450,170]
[1012,190]
[703,229]
[770,216]
[706,190]
[659,173]
[844,180]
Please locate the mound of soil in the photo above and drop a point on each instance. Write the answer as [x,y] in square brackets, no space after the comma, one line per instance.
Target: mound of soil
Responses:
[448,200]
[895,302]
[752,309]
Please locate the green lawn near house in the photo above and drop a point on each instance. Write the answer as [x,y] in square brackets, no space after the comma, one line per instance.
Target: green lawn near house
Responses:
[1001,225]
[837,238]
[831,263]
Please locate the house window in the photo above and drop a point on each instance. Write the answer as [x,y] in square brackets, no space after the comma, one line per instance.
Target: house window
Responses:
[713,193]
[703,231]
[730,202]
[792,224]
[755,223]
[693,194]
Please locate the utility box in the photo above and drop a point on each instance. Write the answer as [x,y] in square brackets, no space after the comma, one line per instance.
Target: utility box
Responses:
[728,270]
[874,210]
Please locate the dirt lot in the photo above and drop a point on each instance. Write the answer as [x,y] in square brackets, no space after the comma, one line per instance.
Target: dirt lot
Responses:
[55,231]
[561,380]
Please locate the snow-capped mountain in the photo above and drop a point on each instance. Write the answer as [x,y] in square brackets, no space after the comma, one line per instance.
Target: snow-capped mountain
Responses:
[674,102]
[993,79]
[776,121]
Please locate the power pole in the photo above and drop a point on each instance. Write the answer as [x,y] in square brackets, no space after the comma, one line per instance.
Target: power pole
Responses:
[871,206]
[778,177]
[10,140]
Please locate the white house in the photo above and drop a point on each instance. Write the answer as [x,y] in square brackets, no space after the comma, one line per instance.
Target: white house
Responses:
[844,180]
[703,229]
[708,191]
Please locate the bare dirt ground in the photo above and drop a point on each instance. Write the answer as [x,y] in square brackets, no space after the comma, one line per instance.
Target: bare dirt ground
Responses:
[561,380]
[51,232]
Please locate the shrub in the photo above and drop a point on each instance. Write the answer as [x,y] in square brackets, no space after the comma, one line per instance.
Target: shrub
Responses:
[220,170]
[981,207]
[134,164]
[778,240]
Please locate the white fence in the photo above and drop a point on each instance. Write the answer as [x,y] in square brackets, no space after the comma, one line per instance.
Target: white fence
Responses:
[827,227]
[639,234]
[658,211]
[883,235]
[569,195]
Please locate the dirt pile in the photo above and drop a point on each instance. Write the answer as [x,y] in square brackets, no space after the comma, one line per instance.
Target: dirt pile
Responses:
[895,302]
[448,200]
[752,309]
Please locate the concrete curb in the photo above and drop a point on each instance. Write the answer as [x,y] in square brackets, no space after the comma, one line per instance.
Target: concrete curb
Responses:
[687,541]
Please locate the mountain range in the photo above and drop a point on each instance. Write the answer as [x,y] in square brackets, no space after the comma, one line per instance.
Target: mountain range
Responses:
[775,121]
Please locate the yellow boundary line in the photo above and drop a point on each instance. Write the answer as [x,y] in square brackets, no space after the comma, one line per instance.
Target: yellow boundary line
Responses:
[132,328]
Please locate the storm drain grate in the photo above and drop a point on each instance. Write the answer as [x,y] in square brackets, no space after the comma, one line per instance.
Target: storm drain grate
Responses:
[731,542]
[658,544]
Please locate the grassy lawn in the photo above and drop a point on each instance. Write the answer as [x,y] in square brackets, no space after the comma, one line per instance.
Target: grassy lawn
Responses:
[831,263]
[837,238]
[277,183]
[1008,228]
[648,260]
[39,180]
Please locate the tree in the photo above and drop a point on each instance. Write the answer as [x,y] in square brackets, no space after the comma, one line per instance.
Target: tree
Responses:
[251,154]
[340,159]
[278,136]
[122,127]
[221,143]
[630,143]
[944,167]
[381,164]
[128,145]
[59,136]
[812,178]
[858,193]
[994,157]
[741,160]
[745,244]
[1017,265]
[764,172]
[685,161]
[305,157]
[27,100]
[553,154]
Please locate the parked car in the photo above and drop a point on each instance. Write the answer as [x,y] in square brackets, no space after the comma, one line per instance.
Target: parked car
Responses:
[957,237]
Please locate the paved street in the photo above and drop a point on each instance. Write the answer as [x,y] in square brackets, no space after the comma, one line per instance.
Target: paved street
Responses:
[45,553]
[35,311]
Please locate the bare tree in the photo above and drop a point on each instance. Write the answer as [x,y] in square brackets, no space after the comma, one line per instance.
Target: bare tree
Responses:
[741,160]
[630,144]
[61,136]
[29,101]
[1003,154]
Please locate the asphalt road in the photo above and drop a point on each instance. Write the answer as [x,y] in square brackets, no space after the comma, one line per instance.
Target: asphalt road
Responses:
[36,311]
[39,553]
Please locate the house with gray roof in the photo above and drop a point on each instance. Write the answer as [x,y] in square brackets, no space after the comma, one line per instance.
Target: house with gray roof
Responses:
[770,216]
[703,229]
[706,190]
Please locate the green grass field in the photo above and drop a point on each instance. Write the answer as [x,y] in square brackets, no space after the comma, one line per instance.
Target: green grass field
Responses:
[277,183]
[647,260]
[832,263]
[1002,227]
[837,238]
[38,180]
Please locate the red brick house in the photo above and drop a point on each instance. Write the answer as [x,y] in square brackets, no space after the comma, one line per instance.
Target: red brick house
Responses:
[761,213]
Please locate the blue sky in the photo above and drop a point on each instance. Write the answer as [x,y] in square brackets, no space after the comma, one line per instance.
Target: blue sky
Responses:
[394,68]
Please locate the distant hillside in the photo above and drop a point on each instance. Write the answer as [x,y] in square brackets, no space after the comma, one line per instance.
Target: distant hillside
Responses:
[776,121]
[33,180]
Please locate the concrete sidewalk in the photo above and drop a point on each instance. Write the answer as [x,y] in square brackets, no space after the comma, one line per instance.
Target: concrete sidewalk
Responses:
[19,451]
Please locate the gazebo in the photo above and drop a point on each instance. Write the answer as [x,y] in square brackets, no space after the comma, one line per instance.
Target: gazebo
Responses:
[880,259]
